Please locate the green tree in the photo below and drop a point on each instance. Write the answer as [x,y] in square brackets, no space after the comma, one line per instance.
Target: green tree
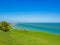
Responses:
[4,26]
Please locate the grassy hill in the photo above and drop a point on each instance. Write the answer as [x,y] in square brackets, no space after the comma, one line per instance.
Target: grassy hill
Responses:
[22,37]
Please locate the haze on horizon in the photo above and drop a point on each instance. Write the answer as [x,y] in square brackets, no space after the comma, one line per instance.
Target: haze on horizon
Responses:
[30,11]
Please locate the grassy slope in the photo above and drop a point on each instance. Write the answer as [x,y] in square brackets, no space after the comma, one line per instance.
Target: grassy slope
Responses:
[19,37]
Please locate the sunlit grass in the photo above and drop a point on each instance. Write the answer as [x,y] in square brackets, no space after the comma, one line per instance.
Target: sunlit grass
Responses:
[22,37]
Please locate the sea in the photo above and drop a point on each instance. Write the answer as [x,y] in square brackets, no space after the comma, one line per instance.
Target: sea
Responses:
[40,27]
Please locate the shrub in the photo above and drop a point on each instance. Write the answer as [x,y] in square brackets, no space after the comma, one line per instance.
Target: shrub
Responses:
[4,26]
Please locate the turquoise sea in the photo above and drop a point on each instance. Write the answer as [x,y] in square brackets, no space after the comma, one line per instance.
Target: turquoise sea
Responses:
[42,27]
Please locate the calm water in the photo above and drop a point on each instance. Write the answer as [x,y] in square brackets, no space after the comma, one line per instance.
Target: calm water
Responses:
[45,27]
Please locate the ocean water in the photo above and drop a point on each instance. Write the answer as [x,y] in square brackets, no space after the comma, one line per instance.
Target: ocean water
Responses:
[42,27]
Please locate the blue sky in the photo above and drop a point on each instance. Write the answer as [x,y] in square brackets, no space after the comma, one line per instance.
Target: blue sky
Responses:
[30,10]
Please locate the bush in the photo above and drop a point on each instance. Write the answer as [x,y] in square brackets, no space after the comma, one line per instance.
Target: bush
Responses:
[4,26]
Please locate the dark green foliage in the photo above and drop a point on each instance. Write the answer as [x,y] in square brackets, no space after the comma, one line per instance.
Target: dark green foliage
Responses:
[4,26]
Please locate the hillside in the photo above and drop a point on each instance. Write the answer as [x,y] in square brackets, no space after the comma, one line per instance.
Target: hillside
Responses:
[22,37]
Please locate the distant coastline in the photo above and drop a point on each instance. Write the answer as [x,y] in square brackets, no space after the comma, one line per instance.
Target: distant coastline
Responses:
[44,27]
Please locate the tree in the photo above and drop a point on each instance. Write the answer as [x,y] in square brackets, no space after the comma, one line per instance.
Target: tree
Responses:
[4,26]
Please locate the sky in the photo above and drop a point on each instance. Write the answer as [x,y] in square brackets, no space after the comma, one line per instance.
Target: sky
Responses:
[30,10]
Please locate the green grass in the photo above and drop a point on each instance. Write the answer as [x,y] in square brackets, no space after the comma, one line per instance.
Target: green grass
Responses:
[22,37]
